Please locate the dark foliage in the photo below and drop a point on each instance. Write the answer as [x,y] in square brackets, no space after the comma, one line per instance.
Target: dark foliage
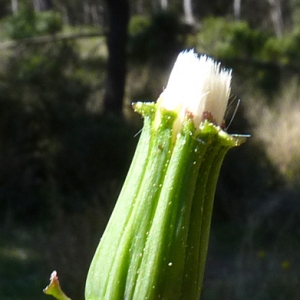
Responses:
[157,40]
[54,154]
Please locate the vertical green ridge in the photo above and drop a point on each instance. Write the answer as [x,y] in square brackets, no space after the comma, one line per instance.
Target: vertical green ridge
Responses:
[162,263]
[201,212]
[189,289]
[96,279]
[222,143]
[208,210]
[135,234]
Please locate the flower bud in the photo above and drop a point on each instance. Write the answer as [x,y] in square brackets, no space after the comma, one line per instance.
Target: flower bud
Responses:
[155,244]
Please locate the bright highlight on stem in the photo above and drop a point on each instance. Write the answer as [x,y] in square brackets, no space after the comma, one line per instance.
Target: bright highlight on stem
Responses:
[155,244]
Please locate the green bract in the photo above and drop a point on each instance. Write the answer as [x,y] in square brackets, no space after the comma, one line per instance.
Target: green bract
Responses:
[155,244]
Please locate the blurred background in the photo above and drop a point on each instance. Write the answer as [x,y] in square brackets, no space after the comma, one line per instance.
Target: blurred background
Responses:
[69,71]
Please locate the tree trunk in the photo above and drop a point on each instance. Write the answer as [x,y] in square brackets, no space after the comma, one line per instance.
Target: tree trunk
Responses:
[237,9]
[14,6]
[276,17]
[86,13]
[42,5]
[164,4]
[118,18]
[188,12]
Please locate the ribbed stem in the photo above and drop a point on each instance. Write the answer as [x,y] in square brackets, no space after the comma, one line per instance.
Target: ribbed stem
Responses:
[156,241]
[199,226]
[119,253]
[207,211]
[163,260]
[97,280]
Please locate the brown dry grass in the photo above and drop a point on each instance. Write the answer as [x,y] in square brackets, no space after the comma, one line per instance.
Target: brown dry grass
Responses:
[277,128]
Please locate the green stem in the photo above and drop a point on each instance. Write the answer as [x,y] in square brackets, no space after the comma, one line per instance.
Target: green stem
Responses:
[156,241]
[130,251]
[122,211]
[161,268]
[126,235]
